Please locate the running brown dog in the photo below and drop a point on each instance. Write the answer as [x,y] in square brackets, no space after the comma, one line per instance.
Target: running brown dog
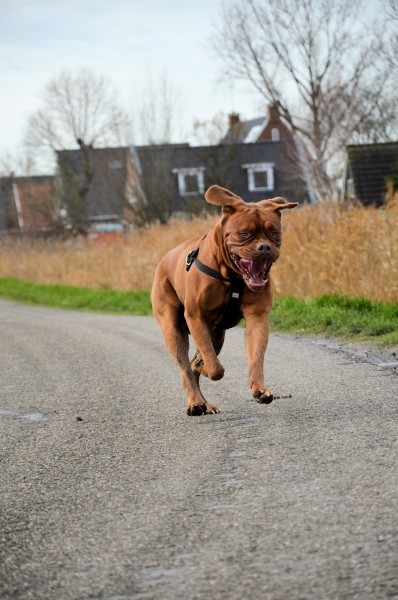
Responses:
[206,285]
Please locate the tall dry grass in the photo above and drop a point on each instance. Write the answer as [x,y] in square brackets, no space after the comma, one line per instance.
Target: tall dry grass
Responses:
[341,249]
[329,248]
[121,263]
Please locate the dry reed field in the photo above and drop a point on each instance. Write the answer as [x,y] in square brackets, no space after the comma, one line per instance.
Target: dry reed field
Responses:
[327,248]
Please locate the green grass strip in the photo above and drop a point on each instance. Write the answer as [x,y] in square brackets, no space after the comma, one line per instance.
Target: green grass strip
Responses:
[352,318]
[349,318]
[75,298]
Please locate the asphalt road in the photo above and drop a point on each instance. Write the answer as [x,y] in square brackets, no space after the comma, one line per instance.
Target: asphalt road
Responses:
[109,491]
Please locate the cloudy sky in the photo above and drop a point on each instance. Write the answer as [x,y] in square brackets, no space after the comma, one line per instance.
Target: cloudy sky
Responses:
[128,41]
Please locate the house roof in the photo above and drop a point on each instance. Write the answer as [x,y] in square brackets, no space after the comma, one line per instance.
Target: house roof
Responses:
[369,166]
[245,131]
[269,127]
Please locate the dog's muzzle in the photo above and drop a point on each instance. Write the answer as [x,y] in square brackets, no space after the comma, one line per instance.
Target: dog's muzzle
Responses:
[255,271]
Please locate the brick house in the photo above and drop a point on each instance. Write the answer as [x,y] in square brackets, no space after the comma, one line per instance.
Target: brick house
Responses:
[26,204]
[269,128]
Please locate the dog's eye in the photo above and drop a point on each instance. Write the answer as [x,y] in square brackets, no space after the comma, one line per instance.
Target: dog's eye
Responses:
[275,234]
[244,234]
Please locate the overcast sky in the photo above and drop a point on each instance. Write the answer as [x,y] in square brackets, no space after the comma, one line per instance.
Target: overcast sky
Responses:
[125,40]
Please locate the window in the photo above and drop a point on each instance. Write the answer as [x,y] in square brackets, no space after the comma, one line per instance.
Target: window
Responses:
[350,189]
[115,164]
[275,135]
[260,177]
[191,182]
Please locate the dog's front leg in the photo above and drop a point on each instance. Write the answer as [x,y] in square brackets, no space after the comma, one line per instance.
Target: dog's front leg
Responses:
[199,329]
[256,340]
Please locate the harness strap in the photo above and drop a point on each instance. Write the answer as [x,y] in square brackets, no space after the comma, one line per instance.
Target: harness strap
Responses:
[232,313]
[209,271]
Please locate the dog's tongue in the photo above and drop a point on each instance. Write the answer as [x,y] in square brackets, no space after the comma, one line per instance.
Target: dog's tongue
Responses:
[255,269]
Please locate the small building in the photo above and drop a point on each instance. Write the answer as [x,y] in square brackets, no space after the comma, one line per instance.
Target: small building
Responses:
[368,170]
[26,204]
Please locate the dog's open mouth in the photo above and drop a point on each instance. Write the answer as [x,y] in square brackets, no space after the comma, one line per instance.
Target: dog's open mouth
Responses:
[254,271]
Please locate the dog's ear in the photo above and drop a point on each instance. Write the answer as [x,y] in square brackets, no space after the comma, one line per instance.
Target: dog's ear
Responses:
[218,195]
[277,203]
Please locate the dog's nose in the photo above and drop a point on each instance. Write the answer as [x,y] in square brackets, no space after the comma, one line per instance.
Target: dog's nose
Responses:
[264,247]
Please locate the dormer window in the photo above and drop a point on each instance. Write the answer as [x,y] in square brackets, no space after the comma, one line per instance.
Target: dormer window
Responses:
[191,181]
[275,135]
[260,177]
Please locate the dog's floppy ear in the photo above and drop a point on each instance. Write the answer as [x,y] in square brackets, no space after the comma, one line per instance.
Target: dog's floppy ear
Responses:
[277,203]
[218,195]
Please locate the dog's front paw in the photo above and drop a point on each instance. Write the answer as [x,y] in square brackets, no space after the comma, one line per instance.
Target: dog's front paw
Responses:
[263,396]
[204,408]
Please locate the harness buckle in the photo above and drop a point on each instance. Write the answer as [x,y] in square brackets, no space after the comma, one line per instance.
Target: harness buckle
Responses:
[190,258]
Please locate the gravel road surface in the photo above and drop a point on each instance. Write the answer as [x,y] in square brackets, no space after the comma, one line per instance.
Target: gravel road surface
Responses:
[109,491]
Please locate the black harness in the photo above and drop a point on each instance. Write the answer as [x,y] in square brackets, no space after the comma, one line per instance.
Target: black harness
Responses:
[232,313]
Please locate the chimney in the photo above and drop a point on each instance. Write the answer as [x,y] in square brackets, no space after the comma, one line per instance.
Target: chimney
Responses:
[273,112]
[233,119]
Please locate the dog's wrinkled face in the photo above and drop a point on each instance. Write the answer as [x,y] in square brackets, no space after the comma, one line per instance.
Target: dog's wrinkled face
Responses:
[252,234]
[253,239]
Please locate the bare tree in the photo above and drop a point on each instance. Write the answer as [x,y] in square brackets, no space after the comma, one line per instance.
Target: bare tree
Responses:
[156,111]
[391,11]
[158,187]
[81,106]
[156,117]
[318,60]
[79,111]
[210,132]
[17,162]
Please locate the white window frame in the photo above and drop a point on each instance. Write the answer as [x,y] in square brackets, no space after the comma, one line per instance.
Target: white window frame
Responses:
[199,172]
[253,168]
[350,189]
[275,134]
